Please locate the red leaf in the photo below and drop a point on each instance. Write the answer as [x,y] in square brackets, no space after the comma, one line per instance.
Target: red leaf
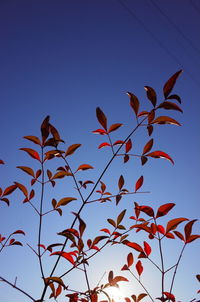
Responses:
[179,235]
[164,209]
[134,102]
[128,146]
[114,127]
[192,238]
[101,118]
[169,296]
[118,279]
[147,248]
[174,97]
[130,259]
[160,229]
[141,296]
[2,162]
[64,201]
[162,120]
[147,210]
[188,228]
[34,154]
[118,142]
[105,230]
[139,267]
[84,167]
[58,291]
[124,268]
[19,232]
[169,85]
[151,94]
[148,146]
[99,131]
[22,188]
[103,145]
[64,255]
[160,154]
[139,183]
[170,106]
[135,246]
[172,224]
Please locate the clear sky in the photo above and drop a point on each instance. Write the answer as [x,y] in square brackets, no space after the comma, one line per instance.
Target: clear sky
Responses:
[64,58]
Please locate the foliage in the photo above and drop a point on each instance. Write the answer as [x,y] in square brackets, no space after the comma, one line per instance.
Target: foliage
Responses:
[76,248]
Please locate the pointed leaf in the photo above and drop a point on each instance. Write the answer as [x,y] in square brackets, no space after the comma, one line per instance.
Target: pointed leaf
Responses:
[188,228]
[135,246]
[27,170]
[114,127]
[139,183]
[170,106]
[120,217]
[160,154]
[9,190]
[174,97]
[172,224]
[151,94]
[110,276]
[147,210]
[84,167]
[45,128]
[64,201]
[148,146]
[99,131]
[34,154]
[71,149]
[64,255]
[19,232]
[22,188]
[169,85]
[169,296]
[33,139]
[162,120]
[130,259]
[103,145]
[101,118]
[128,145]
[134,102]
[120,182]
[164,209]
[141,296]
[147,248]
[139,267]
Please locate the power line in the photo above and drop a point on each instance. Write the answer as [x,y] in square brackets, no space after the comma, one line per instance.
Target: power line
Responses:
[157,40]
[174,25]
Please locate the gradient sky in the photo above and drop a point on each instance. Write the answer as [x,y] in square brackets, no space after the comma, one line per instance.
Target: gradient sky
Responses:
[64,58]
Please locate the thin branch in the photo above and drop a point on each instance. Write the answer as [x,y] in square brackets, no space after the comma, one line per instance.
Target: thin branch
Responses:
[16,287]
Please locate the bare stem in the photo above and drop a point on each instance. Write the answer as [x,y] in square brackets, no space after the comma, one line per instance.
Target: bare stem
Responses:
[16,287]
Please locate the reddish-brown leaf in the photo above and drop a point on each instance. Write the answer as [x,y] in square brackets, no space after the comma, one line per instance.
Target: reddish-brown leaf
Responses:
[106,231]
[58,291]
[139,267]
[114,127]
[64,201]
[9,190]
[128,145]
[141,296]
[192,238]
[179,235]
[143,113]
[54,279]
[45,128]
[160,154]
[120,217]
[64,255]
[103,145]
[126,158]
[110,276]
[2,162]
[160,229]
[147,210]
[198,277]
[169,85]
[124,268]
[174,97]
[84,167]
[101,118]
[112,222]
[139,183]
[130,259]
[134,102]
[164,209]
[147,248]
[119,279]
[33,139]
[144,159]
[162,120]
[150,129]
[172,224]
[121,182]
[71,149]
[22,188]
[118,142]
[34,154]
[27,170]
[170,106]
[151,94]
[148,146]
[188,228]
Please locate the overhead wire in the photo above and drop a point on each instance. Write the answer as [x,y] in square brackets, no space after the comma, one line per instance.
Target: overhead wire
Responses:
[158,41]
[175,26]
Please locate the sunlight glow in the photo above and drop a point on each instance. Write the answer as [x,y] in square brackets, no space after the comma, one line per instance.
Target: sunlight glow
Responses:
[115,293]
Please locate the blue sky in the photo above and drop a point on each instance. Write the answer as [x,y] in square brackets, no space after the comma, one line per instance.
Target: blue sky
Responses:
[65,58]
